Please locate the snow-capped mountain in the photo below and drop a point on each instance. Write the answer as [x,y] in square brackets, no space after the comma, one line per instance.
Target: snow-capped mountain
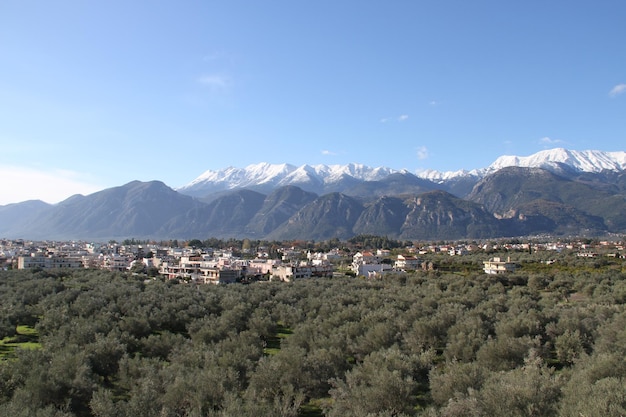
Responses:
[438,176]
[327,178]
[583,161]
[552,159]
[265,176]
[232,177]
[511,197]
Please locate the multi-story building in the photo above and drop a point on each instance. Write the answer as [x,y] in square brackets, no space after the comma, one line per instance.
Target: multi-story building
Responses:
[290,272]
[48,262]
[368,264]
[497,266]
[216,276]
[407,263]
[201,269]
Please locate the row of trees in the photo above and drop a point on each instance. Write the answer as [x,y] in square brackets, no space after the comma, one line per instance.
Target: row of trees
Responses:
[435,344]
[369,241]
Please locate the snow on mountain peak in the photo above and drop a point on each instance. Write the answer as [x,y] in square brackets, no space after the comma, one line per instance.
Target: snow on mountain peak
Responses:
[586,161]
[333,173]
[437,176]
[282,174]
[273,175]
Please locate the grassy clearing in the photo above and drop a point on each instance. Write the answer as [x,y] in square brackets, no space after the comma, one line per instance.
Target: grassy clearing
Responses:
[314,407]
[272,345]
[26,338]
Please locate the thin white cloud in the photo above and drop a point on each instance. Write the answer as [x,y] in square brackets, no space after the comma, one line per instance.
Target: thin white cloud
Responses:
[549,141]
[617,90]
[327,152]
[401,118]
[214,81]
[422,153]
[22,184]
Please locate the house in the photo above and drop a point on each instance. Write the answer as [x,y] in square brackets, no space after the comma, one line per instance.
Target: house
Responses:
[457,251]
[372,270]
[365,257]
[496,266]
[407,263]
[365,263]
[208,275]
[261,266]
[290,272]
[115,262]
[303,269]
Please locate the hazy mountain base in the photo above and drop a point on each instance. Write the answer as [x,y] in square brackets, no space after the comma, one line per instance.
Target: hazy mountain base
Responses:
[546,341]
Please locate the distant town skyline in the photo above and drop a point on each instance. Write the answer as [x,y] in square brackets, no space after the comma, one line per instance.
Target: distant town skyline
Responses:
[95,95]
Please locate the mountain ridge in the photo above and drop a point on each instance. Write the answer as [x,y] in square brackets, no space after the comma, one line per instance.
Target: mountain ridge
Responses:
[264,176]
[557,198]
[556,160]
[328,178]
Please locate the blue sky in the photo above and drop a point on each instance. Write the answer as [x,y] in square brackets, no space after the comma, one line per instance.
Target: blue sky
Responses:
[97,94]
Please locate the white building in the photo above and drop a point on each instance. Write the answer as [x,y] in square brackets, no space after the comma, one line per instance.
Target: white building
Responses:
[201,269]
[407,263]
[116,262]
[217,276]
[496,266]
[365,257]
[261,266]
[367,264]
[288,272]
[48,262]
[373,270]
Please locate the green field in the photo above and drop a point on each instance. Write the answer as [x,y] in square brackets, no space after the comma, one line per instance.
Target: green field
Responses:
[273,343]
[26,338]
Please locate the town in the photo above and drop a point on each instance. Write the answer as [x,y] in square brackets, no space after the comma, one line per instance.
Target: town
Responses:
[204,265]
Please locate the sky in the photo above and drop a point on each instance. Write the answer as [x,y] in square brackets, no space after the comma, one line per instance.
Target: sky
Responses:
[95,94]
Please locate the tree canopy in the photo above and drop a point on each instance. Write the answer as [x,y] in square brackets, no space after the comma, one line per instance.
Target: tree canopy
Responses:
[430,343]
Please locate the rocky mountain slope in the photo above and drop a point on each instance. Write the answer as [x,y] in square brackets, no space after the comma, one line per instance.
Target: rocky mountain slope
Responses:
[566,195]
[357,179]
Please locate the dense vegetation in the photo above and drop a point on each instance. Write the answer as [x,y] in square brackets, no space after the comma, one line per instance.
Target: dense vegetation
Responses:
[549,340]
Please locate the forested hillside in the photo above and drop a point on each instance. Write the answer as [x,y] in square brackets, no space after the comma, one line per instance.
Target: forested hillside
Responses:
[548,340]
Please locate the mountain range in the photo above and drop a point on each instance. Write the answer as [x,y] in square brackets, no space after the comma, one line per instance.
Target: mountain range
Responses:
[557,192]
